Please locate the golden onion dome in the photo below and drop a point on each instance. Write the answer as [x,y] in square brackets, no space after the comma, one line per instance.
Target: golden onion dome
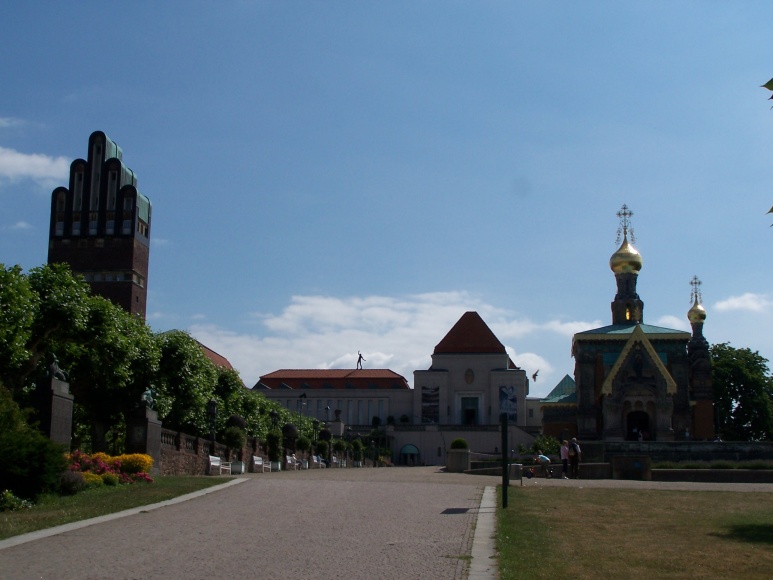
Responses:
[697,313]
[625,259]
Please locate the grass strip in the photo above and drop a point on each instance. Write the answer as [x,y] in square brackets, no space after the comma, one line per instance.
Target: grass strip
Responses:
[624,533]
[53,510]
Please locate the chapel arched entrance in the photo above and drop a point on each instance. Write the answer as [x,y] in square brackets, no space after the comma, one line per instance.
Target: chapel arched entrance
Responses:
[637,426]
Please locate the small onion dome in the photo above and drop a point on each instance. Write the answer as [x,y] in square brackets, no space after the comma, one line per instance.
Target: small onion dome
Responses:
[625,259]
[697,313]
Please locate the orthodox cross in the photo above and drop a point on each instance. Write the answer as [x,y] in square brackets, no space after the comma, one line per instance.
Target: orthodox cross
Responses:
[625,228]
[695,293]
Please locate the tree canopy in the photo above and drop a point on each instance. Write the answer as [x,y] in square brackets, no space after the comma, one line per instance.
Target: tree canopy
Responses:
[743,393]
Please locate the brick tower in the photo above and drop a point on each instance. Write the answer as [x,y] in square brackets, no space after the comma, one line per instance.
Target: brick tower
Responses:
[100,226]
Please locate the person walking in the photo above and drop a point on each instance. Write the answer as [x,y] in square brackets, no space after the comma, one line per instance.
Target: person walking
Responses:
[565,459]
[574,458]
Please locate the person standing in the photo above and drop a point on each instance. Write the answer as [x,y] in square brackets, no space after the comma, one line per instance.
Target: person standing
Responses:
[574,458]
[565,459]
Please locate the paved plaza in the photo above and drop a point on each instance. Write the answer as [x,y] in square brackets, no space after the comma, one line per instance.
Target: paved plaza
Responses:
[329,523]
[390,523]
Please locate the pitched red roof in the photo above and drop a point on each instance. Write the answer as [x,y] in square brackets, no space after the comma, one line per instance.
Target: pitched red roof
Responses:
[333,379]
[470,335]
[216,358]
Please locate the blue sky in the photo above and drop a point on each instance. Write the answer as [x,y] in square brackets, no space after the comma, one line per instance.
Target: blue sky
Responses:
[328,177]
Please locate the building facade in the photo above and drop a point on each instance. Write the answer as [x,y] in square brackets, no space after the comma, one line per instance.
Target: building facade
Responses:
[100,226]
[471,382]
[636,381]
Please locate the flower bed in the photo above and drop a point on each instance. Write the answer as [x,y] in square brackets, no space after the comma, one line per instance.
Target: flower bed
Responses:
[101,469]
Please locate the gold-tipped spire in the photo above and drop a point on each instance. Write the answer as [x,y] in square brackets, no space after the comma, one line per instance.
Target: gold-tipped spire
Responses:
[626,258]
[697,313]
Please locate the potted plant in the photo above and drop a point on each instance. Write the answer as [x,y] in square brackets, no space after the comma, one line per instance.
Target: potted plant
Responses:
[458,457]
[303,444]
[357,452]
[274,443]
[339,446]
[234,438]
[321,449]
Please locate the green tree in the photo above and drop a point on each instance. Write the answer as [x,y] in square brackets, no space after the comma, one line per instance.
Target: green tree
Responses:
[186,383]
[743,393]
[18,304]
[114,360]
[46,306]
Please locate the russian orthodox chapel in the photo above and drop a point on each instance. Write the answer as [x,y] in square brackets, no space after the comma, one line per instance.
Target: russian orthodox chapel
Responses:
[636,381]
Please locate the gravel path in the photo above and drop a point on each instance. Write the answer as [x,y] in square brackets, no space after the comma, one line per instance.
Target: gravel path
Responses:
[331,523]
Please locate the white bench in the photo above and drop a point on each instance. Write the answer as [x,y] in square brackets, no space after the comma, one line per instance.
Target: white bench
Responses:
[316,461]
[261,465]
[291,463]
[216,463]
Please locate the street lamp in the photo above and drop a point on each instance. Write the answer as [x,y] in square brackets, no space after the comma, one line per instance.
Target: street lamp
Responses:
[302,402]
[212,412]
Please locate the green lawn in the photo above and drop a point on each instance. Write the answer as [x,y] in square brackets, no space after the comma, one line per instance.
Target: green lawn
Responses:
[53,511]
[623,533]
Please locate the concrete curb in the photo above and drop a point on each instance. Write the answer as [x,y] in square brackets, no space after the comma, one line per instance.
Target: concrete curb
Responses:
[483,564]
[32,536]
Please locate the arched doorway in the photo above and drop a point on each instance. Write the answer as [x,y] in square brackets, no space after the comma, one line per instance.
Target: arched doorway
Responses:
[409,455]
[637,426]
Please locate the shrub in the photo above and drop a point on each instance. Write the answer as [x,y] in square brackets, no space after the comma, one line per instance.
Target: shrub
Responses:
[303,443]
[110,479]
[92,479]
[31,463]
[234,438]
[339,445]
[357,450]
[321,448]
[98,463]
[274,444]
[10,503]
[134,463]
[459,443]
[548,444]
[71,482]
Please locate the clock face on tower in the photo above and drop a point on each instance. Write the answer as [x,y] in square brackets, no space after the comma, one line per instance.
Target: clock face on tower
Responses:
[469,376]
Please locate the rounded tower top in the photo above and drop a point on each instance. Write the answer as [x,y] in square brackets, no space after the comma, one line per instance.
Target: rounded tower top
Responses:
[626,259]
[697,313]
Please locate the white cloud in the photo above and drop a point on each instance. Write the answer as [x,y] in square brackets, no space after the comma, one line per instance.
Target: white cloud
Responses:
[675,322]
[43,169]
[749,301]
[6,122]
[399,333]
[20,225]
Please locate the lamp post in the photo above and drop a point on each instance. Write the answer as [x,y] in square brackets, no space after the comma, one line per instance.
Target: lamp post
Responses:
[212,412]
[301,403]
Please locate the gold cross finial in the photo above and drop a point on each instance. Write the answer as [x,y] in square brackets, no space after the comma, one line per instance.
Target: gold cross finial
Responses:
[625,230]
[695,293]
